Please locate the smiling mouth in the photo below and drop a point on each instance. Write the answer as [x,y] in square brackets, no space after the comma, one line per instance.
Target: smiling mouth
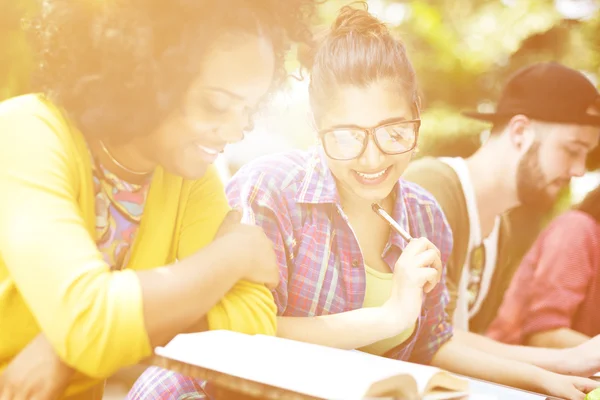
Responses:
[209,150]
[372,176]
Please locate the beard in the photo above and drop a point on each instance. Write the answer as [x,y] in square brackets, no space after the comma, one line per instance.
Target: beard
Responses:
[532,185]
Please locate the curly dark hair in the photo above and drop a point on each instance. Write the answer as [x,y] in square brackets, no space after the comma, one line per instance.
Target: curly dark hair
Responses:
[119,67]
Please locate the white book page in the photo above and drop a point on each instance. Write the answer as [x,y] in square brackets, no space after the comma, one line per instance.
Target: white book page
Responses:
[213,350]
[350,363]
[315,370]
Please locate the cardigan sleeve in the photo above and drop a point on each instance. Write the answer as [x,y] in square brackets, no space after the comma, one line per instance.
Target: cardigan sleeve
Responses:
[92,317]
[248,307]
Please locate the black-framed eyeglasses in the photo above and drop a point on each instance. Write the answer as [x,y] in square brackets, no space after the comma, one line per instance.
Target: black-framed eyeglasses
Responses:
[393,137]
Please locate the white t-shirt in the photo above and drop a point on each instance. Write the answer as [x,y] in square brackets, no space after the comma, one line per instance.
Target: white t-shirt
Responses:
[463,314]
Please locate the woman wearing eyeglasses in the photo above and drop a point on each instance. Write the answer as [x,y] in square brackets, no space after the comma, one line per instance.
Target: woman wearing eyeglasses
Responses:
[346,279]
[112,232]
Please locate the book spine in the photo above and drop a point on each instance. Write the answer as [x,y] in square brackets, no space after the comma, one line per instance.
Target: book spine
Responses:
[236,384]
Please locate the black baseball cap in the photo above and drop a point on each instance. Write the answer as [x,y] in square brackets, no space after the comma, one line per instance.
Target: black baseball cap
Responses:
[548,92]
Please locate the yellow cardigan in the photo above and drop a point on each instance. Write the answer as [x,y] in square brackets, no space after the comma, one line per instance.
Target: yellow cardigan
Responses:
[53,278]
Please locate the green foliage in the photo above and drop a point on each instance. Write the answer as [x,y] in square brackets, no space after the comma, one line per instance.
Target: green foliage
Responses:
[16,60]
[464,51]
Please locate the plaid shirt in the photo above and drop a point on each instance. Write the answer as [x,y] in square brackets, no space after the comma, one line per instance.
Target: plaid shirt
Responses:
[293,197]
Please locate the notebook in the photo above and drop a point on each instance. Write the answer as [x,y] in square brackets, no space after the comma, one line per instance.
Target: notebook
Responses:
[272,367]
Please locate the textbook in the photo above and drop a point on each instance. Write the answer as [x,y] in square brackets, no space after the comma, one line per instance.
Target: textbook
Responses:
[269,367]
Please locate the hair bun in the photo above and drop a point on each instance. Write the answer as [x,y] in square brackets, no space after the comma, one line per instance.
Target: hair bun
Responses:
[357,20]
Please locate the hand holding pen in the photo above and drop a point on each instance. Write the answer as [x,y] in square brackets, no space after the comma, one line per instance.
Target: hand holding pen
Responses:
[420,264]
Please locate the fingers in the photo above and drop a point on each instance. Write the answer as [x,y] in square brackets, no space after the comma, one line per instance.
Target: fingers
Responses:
[234,216]
[417,246]
[272,285]
[437,265]
[22,396]
[5,391]
[574,394]
[269,266]
[273,282]
[232,219]
[425,259]
[429,277]
[429,268]
[586,385]
[429,258]
[420,245]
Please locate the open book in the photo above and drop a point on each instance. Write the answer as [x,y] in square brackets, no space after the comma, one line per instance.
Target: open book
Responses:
[272,367]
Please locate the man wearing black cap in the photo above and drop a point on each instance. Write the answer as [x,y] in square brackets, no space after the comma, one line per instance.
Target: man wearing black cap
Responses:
[546,122]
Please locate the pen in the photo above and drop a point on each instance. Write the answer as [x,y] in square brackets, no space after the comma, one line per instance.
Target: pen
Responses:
[381,212]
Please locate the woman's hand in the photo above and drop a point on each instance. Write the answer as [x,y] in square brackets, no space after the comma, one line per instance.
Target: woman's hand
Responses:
[251,245]
[568,387]
[36,373]
[582,360]
[419,267]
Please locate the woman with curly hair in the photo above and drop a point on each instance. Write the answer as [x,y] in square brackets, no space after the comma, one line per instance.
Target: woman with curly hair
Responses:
[113,228]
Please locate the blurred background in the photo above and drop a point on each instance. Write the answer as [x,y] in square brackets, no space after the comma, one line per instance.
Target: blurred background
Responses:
[463,52]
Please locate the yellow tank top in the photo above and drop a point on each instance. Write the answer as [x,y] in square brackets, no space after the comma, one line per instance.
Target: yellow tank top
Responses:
[378,290]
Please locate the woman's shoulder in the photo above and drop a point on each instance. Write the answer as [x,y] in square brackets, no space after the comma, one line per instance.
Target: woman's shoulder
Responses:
[36,137]
[34,110]
[32,104]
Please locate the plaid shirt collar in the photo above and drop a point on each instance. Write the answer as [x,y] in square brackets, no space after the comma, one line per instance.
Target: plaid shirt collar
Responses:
[318,175]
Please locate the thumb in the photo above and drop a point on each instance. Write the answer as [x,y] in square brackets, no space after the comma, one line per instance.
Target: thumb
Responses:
[232,219]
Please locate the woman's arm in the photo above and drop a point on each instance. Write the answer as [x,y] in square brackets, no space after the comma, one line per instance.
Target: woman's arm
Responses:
[551,359]
[176,295]
[466,360]
[249,307]
[37,370]
[96,320]
[348,330]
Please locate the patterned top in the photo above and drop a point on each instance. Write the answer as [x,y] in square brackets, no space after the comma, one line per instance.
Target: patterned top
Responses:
[293,197]
[557,284]
[119,208]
